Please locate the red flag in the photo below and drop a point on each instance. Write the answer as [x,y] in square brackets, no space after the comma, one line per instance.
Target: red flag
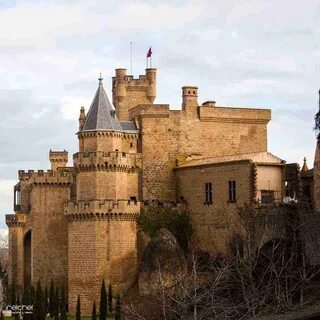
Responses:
[149,53]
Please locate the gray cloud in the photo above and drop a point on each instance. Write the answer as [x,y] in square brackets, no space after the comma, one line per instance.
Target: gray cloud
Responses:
[244,53]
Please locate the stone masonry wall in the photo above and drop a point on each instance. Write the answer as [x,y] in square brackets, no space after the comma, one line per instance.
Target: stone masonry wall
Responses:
[99,249]
[49,233]
[215,224]
[169,138]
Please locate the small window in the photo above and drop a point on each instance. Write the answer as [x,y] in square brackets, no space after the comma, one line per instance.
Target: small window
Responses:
[232,191]
[131,145]
[208,193]
[17,197]
[267,196]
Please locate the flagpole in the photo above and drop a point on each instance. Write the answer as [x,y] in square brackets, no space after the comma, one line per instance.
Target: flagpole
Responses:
[131,57]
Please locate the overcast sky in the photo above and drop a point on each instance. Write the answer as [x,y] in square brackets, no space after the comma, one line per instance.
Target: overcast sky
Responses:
[239,53]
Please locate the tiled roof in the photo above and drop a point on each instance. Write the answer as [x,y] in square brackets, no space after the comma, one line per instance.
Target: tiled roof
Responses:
[101,115]
[128,126]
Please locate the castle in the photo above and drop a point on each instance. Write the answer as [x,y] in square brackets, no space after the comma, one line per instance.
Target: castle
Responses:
[77,225]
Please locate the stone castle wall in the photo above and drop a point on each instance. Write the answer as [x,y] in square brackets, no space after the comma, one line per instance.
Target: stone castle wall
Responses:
[215,224]
[172,137]
[49,233]
[99,249]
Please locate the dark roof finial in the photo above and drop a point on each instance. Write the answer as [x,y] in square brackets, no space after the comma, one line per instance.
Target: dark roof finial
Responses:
[305,166]
[100,78]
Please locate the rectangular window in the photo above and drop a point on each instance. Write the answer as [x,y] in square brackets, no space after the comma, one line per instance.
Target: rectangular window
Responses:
[208,193]
[267,196]
[16,197]
[232,191]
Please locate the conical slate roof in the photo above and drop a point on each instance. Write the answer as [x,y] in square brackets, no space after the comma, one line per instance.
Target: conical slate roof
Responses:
[101,115]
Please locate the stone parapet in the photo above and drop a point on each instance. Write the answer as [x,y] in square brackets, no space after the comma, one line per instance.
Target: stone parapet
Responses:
[232,114]
[16,220]
[107,161]
[150,110]
[64,176]
[102,209]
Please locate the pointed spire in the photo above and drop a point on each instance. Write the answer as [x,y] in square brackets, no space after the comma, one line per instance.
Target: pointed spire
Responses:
[305,166]
[100,79]
[101,115]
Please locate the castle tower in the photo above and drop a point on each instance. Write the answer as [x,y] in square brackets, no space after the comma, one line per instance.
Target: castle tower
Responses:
[190,101]
[128,92]
[102,218]
[58,159]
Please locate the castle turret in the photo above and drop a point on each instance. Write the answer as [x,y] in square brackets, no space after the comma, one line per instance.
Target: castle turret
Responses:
[58,159]
[102,218]
[82,118]
[128,92]
[190,100]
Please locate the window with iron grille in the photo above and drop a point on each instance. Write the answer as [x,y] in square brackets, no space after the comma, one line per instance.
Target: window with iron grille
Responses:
[267,196]
[232,191]
[208,193]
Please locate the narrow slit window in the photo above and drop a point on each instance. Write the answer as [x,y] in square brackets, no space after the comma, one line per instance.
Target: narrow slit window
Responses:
[232,191]
[208,193]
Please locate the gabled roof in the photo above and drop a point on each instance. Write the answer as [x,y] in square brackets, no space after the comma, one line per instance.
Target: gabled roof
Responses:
[101,115]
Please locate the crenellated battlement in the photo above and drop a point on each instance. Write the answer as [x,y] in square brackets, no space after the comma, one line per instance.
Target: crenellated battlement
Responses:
[107,160]
[16,220]
[102,209]
[60,176]
[128,92]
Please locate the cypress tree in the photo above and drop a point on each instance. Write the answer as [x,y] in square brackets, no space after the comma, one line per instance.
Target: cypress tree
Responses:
[117,315]
[39,305]
[55,307]
[110,298]
[94,311]
[51,298]
[13,298]
[46,300]
[103,302]
[63,311]
[78,311]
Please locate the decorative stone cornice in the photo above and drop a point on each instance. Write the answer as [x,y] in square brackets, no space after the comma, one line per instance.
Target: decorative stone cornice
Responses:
[16,220]
[107,161]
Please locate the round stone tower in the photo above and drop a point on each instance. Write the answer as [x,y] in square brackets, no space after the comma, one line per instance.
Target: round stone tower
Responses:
[102,217]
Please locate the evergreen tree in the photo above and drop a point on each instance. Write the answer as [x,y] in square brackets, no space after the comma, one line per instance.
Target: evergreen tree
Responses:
[78,311]
[55,305]
[46,300]
[63,311]
[117,315]
[94,311]
[13,297]
[39,312]
[1,315]
[103,302]
[51,298]
[110,298]
[32,295]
